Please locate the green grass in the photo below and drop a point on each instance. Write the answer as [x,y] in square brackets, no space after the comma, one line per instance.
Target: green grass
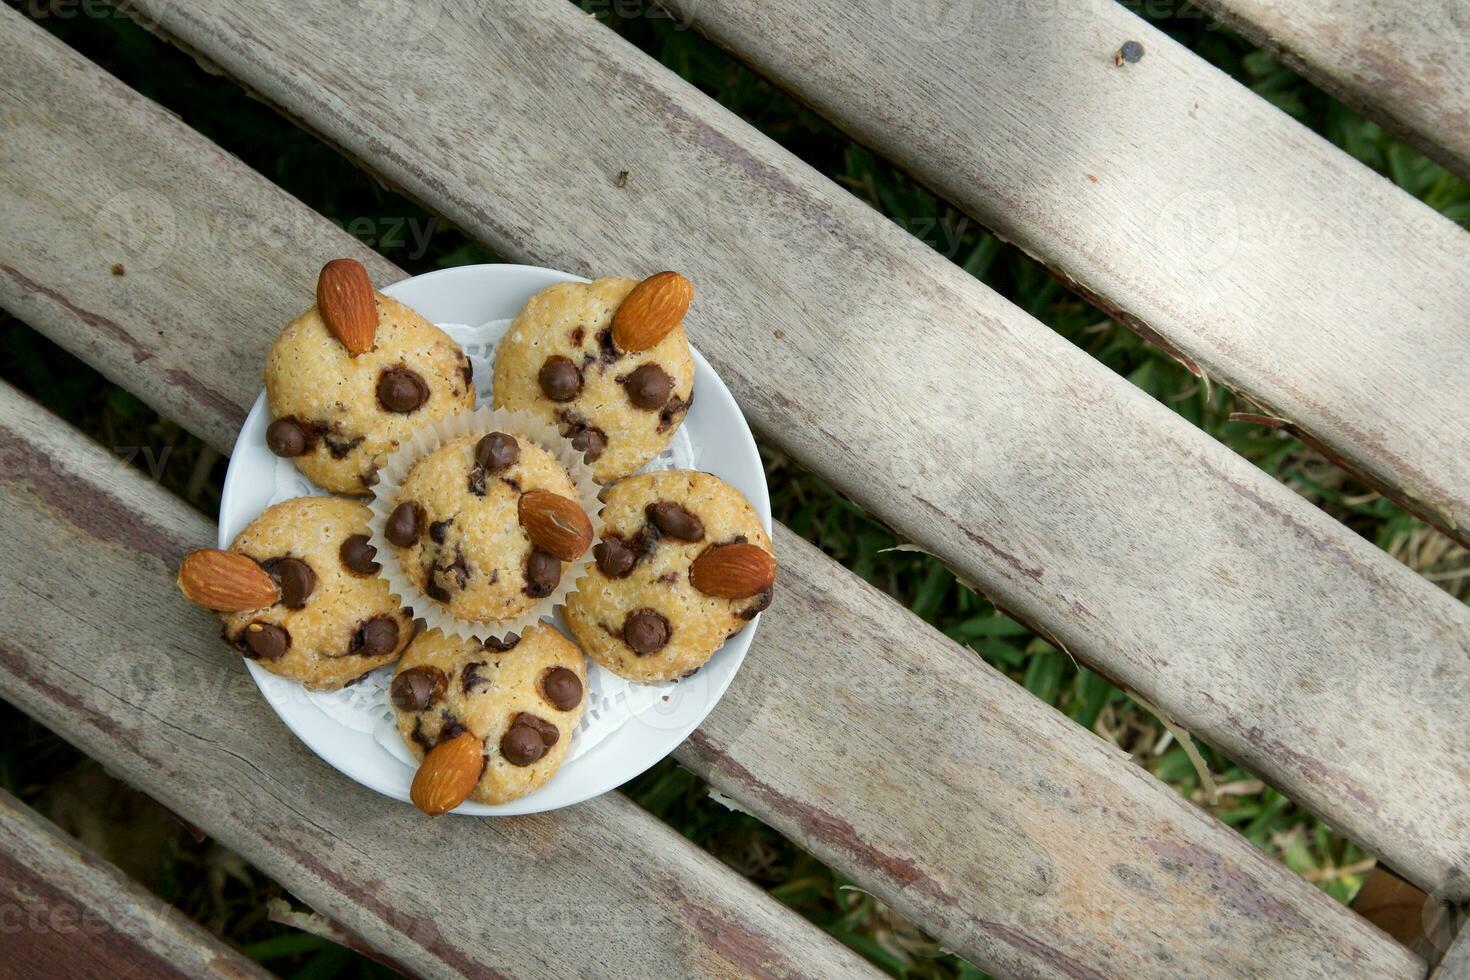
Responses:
[230,897]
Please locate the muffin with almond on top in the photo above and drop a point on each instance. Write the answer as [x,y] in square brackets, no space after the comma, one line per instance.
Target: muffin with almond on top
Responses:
[350,378]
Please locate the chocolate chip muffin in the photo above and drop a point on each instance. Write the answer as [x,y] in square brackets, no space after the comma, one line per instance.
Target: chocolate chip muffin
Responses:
[468,525]
[523,703]
[607,362]
[349,379]
[683,564]
[300,595]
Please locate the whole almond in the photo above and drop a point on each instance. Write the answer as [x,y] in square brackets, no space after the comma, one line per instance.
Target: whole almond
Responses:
[226,581]
[344,295]
[654,307]
[447,774]
[733,571]
[555,524]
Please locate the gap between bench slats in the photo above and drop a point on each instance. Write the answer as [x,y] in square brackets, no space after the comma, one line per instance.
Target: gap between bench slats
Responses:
[1143,546]
[1191,209]
[97,645]
[1406,65]
[841,678]
[69,913]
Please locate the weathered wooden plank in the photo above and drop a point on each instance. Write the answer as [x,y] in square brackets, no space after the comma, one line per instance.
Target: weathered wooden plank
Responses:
[1193,210]
[1038,851]
[97,645]
[1144,547]
[65,912]
[995,821]
[1456,962]
[808,735]
[1406,65]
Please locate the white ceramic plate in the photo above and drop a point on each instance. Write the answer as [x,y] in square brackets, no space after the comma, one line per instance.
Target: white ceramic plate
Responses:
[719,442]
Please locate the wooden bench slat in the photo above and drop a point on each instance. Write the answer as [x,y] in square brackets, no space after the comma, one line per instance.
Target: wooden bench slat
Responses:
[831,643]
[1406,65]
[1143,546]
[1190,208]
[1037,850]
[65,912]
[97,645]
[1456,962]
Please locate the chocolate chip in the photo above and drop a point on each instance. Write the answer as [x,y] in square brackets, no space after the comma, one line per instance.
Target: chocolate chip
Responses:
[674,412]
[527,739]
[590,441]
[675,521]
[458,570]
[645,542]
[543,572]
[521,744]
[401,390]
[418,735]
[467,371]
[578,335]
[761,604]
[648,386]
[295,578]
[550,734]
[264,641]
[563,688]
[560,379]
[471,680]
[418,688]
[339,446]
[287,437]
[357,554]
[614,558]
[500,644]
[645,631]
[376,637]
[496,452]
[405,524]
[437,529]
[476,485]
[607,348]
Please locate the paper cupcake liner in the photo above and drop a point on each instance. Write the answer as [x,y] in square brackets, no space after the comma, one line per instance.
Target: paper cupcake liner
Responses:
[430,437]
